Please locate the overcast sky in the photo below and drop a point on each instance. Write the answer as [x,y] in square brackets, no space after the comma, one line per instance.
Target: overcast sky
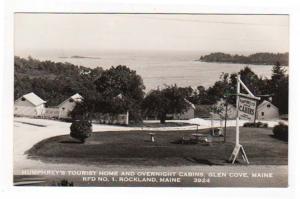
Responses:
[227,33]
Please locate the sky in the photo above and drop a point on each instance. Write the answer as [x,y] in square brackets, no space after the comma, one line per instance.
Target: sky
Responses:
[165,32]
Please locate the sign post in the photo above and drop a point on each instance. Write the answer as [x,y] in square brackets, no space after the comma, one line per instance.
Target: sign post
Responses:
[246,109]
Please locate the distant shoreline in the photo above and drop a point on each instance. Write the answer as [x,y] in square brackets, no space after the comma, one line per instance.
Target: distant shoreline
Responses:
[216,62]
[253,59]
[79,57]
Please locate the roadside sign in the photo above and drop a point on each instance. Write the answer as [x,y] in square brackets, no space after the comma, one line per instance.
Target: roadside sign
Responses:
[247,108]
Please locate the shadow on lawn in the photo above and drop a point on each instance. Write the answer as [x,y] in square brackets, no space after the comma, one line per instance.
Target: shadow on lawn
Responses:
[201,161]
[70,140]
[279,138]
[29,123]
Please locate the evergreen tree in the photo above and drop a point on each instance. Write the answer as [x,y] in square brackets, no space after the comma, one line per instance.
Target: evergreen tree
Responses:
[279,86]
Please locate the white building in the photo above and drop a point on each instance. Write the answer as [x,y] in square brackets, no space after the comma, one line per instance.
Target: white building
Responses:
[29,105]
[266,110]
[68,105]
[220,109]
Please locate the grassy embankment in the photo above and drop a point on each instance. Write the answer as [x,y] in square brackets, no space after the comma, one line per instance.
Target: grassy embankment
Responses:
[135,148]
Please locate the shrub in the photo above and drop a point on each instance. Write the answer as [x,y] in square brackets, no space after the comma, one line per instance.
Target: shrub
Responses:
[81,129]
[64,183]
[255,125]
[281,131]
[185,140]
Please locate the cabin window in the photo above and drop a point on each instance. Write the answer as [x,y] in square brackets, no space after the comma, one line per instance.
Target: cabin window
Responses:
[268,105]
[23,99]
[262,113]
[71,100]
[63,108]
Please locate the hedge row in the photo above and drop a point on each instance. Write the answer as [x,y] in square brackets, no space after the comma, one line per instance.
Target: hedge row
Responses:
[255,125]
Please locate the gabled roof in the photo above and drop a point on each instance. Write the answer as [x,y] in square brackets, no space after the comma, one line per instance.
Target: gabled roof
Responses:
[33,98]
[190,103]
[265,103]
[76,97]
[120,96]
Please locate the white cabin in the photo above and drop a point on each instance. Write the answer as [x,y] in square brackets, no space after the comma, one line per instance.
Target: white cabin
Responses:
[68,105]
[221,106]
[29,105]
[266,110]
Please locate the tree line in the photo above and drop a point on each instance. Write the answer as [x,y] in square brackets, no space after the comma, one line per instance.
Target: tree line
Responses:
[52,81]
[119,89]
[257,58]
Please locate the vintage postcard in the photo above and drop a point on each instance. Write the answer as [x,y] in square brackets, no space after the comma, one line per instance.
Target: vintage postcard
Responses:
[151,100]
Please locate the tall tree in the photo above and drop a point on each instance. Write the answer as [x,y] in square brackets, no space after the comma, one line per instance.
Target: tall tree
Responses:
[121,89]
[251,80]
[170,100]
[279,85]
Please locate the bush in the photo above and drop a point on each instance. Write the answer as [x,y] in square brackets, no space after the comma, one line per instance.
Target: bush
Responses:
[64,183]
[281,131]
[81,129]
[255,125]
[185,140]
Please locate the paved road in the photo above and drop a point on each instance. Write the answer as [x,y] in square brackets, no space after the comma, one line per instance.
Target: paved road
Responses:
[28,132]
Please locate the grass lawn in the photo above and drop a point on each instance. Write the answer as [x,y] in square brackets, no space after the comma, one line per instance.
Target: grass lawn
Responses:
[135,148]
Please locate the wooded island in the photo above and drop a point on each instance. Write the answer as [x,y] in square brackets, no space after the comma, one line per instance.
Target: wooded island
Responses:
[257,58]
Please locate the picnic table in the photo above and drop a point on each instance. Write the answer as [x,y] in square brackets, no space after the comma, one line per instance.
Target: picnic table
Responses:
[200,137]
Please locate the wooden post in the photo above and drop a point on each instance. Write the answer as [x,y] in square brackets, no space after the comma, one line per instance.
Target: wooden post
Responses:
[255,113]
[225,127]
[127,118]
[239,147]
[212,123]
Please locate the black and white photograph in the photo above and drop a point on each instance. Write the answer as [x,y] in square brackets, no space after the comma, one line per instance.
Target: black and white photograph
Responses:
[151,99]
